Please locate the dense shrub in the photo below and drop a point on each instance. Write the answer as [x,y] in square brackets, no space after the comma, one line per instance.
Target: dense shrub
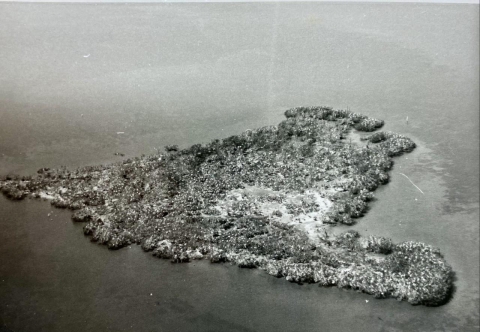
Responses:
[199,203]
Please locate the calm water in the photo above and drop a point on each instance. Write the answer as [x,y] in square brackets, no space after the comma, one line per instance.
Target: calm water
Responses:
[72,76]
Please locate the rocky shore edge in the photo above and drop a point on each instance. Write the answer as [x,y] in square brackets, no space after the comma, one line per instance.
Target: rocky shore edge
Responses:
[267,199]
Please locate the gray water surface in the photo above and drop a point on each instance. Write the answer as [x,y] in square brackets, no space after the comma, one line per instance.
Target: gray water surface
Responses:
[74,75]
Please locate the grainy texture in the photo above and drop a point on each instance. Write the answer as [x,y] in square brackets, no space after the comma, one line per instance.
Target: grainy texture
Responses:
[266,198]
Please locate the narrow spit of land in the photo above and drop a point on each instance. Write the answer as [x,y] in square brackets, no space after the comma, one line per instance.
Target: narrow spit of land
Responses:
[266,199]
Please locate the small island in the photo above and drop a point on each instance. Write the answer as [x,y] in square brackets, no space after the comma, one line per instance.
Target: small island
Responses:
[268,198]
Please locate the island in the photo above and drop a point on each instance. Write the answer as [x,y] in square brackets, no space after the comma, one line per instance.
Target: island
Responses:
[269,198]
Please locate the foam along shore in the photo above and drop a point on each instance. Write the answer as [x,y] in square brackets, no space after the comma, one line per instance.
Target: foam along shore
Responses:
[267,199]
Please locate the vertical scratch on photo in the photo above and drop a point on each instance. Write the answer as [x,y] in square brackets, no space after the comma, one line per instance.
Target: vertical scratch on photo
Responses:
[271,67]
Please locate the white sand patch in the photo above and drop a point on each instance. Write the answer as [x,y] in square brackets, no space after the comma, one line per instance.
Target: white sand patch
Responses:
[304,211]
[46,195]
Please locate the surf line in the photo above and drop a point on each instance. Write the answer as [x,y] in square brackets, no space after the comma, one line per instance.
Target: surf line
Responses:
[412,183]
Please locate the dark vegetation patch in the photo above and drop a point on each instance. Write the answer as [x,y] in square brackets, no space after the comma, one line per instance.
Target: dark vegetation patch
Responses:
[168,204]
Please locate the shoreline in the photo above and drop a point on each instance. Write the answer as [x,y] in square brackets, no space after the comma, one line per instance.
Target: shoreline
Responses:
[198,203]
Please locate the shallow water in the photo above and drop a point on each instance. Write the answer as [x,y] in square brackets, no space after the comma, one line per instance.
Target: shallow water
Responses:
[188,73]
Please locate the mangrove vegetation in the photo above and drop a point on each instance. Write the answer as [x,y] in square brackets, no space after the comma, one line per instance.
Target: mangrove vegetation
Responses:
[268,199]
